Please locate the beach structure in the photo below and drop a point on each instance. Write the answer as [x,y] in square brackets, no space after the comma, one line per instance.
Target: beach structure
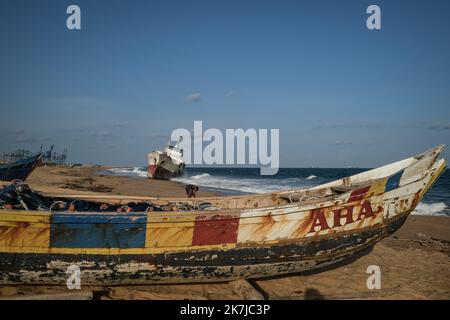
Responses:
[237,237]
[17,155]
[55,158]
[48,158]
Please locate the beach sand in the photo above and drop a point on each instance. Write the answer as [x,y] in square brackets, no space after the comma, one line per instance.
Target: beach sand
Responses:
[85,178]
[414,262]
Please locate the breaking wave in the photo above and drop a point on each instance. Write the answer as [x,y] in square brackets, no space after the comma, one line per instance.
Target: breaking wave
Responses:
[431,209]
[128,171]
[201,176]
[245,184]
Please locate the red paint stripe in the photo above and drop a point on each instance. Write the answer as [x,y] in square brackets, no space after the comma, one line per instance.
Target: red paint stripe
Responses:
[215,230]
[151,168]
[358,194]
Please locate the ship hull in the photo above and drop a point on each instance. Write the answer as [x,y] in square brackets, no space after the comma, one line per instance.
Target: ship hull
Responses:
[161,173]
[162,167]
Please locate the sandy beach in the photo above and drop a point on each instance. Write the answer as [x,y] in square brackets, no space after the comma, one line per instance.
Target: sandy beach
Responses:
[87,178]
[414,262]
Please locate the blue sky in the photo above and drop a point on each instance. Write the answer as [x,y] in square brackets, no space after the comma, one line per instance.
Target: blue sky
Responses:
[340,94]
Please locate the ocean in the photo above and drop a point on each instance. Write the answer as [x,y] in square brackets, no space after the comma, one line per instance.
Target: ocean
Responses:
[229,181]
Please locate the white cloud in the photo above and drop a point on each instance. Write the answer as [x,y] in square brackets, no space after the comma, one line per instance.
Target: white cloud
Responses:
[231,93]
[439,126]
[341,143]
[194,97]
[350,125]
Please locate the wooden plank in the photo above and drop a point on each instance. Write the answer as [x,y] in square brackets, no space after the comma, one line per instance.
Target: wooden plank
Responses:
[24,237]
[169,235]
[98,230]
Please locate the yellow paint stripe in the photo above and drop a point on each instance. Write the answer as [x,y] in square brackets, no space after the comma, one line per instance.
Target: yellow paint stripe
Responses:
[376,188]
[113,251]
[25,213]
[23,224]
[24,237]
[27,216]
[169,235]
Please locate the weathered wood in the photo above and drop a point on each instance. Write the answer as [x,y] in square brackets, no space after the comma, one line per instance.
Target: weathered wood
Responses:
[245,290]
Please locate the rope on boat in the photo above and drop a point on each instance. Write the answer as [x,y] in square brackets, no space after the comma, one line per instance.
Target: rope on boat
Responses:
[305,197]
[290,195]
[56,202]
[18,193]
[19,197]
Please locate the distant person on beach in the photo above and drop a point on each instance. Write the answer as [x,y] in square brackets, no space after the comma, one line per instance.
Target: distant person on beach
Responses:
[191,190]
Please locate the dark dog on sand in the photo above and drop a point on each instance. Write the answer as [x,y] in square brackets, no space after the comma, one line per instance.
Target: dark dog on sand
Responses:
[191,190]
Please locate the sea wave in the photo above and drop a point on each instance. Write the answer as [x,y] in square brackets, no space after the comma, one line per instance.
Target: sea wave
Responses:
[431,209]
[201,176]
[129,171]
[247,185]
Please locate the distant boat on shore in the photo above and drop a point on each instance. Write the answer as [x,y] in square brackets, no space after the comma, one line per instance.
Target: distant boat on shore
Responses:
[19,170]
[166,164]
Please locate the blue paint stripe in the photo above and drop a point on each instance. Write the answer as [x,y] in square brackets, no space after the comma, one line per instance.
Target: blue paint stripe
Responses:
[393,181]
[98,231]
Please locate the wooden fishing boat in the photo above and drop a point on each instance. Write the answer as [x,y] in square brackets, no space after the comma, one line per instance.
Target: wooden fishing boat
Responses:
[249,236]
[19,170]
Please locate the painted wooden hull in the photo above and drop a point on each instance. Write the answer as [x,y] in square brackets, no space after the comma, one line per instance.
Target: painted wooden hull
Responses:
[212,265]
[256,240]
